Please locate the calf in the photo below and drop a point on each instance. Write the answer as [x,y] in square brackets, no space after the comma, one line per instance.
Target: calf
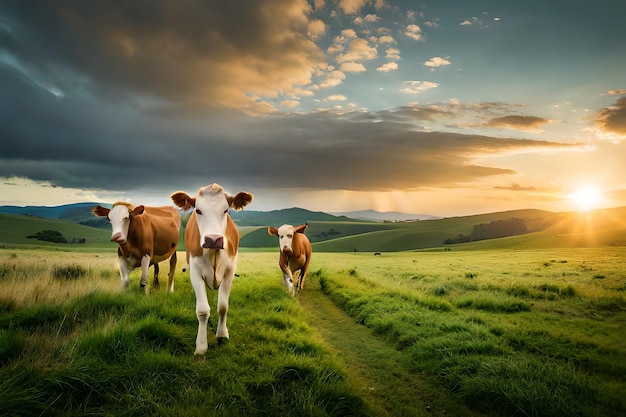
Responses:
[145,236]
[295,254]
[212,241]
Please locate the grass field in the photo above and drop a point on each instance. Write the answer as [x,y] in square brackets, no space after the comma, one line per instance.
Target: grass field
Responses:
[461,333]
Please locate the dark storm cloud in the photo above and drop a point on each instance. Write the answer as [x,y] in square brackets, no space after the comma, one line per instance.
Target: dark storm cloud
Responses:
[97,144]
[214,51]
[122,95]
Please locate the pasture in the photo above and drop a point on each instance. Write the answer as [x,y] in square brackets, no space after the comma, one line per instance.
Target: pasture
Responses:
[500,332]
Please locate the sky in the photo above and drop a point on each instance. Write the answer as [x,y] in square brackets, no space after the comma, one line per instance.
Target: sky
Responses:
[434,107]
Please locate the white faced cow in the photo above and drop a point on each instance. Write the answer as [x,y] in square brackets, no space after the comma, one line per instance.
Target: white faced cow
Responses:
[212,241]
[295,254]
[145,236]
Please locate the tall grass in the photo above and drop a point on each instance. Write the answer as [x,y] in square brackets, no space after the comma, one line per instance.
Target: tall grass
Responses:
[522,336]
[518,338]
[80,345]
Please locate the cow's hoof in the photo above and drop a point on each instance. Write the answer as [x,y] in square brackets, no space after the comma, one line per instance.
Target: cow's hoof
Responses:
[142,286]
[221,341]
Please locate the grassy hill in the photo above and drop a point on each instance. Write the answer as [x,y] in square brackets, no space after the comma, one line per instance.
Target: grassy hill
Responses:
[14,229]
[329,233]
[276,218]
[597,228]
[427,233]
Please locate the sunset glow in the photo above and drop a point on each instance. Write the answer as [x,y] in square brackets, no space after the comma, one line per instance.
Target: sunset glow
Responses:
[586,198]
[427,107]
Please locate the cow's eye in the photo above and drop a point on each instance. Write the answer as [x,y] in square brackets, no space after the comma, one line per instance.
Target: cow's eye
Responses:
[290,236]
[226,211]
[199,212]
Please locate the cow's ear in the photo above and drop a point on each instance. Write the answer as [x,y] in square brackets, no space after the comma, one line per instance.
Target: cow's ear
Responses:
[239,201]
[137,210]
[182,200]
[100,211]
[272,231]
[301,228]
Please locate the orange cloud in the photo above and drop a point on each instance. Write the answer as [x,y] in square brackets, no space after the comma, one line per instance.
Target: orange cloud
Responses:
[518,122]
[612,119]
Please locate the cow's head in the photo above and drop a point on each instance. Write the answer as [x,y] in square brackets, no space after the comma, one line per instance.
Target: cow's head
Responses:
[285,235]
[119,216]
[211,211]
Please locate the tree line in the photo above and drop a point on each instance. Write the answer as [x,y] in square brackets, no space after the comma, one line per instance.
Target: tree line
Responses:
[492,230]
[54,236]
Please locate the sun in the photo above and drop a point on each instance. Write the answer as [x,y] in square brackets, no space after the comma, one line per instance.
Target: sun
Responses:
[587,197]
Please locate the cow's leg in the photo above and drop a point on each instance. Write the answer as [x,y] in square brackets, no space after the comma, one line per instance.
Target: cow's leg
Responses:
[222,308]
[145,264]
[124,271]
[156,275]
[288,277]
[298,285]
[203,310]
[303,272]
[170,276]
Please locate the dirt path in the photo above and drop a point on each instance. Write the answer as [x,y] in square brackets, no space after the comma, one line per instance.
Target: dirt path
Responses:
[379,372]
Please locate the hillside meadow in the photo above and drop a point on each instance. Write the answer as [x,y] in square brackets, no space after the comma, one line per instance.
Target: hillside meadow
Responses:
[472,332]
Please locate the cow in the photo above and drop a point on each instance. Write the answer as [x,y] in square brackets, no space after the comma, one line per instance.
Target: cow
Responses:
[212,241]
[295,254]
[145,236]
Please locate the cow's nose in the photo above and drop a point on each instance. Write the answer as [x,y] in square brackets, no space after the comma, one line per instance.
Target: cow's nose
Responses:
[287,250]
[117,238]
[213,242]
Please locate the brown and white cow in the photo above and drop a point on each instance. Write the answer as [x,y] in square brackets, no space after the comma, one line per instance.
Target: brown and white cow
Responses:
[295,254]
[212,242]
[145,236]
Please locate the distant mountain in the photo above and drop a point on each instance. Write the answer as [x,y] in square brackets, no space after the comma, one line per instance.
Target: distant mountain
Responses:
[329,233]
[380,216]
[81,213]
[51,212]
[294,216]
[77,213]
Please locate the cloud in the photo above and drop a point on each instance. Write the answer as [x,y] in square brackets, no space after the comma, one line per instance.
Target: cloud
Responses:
[291,104]
[386,39]
[414,32]
[333,79]
[336,97]
[531,123]
[352,67]
[437,62]
[358,50]
[351,6]
[515,187]
[76,144]
[390,66]
[370,18]
[186,51]
[416,87]
[612,119]
[392,53]
[317,28]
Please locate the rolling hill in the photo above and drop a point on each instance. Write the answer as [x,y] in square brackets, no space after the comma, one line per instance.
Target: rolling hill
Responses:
[15,229]
[330,233]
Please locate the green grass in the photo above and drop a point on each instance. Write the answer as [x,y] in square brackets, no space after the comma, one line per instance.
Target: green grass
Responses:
[15,228]
[461,333]
[103,350]
[518,338]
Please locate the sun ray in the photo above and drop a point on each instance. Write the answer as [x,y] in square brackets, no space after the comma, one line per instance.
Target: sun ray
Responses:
[587,197]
